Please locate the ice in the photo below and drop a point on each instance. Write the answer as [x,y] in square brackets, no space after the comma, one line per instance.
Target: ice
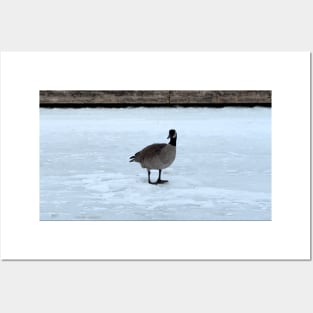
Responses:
[222,169]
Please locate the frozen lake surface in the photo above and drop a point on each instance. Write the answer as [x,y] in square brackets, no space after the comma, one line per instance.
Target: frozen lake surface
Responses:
[222,169]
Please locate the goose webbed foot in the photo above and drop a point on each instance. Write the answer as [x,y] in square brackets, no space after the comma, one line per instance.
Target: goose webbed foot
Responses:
[161,181]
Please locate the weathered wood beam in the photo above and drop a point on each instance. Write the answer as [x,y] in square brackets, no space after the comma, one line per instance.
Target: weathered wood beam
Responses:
[50,98]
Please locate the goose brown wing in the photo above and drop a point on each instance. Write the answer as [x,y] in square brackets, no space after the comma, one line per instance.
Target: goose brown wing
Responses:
[152,150]
[149,151]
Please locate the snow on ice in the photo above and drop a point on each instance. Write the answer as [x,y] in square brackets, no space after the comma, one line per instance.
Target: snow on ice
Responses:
[222,169]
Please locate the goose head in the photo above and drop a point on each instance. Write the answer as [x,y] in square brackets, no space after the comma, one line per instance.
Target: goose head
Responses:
[172,134]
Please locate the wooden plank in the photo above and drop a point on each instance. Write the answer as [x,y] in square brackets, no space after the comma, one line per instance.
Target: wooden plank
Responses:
[155,97]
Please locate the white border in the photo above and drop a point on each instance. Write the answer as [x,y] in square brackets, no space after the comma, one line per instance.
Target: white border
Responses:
[23,236]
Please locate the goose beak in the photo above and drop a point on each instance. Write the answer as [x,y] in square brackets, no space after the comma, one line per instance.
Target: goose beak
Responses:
[168,137]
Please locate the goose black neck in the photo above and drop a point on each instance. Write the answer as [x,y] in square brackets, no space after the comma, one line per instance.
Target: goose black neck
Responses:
[173,141]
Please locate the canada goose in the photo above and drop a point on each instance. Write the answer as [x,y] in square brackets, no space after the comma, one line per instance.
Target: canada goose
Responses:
[157,156]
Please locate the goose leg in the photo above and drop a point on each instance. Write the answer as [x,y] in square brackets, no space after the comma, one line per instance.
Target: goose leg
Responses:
[160,181]
[150,182]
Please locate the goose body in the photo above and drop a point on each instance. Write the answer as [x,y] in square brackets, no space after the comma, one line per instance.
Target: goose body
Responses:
[157,156]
